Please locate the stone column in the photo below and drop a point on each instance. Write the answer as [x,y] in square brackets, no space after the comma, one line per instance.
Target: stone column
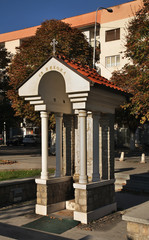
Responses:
[95,175]
[68,145]
[44,142]
[59,118]
[83,147]
[107,146]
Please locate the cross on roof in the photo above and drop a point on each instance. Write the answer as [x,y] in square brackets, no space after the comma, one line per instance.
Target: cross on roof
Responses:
[54,43]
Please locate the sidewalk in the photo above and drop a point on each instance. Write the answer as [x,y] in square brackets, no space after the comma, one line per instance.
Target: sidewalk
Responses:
[108,228]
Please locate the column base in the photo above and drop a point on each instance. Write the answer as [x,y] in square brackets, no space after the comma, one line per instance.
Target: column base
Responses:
[95,214]
[45,176]
[45,210]
[83,179]
[94,200]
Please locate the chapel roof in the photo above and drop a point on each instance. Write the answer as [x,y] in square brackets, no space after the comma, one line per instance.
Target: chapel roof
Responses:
[86,72]
[90,74]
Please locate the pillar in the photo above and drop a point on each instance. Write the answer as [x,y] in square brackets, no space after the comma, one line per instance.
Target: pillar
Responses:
[107,146]
[59,118]
[83,147]
[44,142]
[95,175]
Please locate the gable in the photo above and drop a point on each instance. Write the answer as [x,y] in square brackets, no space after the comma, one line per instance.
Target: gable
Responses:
[73,81]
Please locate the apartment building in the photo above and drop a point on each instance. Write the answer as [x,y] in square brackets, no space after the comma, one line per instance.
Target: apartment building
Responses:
[110,37]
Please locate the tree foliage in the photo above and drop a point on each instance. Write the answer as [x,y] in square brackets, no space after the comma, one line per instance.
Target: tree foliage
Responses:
[34,51]
[6,111]
[134,77]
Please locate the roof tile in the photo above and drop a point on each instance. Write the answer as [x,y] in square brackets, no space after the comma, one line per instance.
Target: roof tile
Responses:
[90,73]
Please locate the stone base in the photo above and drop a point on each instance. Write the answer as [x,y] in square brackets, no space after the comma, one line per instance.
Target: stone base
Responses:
[94,200]
[137,219]
[53,193]
[93,215]
[45,210]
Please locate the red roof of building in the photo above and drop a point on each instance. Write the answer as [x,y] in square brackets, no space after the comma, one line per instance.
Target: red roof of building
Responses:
[90,74]
[122,11]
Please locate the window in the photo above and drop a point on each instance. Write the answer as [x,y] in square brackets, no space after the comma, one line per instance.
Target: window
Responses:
[112,61]
[112,35]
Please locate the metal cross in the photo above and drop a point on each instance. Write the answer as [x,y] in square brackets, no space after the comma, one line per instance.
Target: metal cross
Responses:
[54,43]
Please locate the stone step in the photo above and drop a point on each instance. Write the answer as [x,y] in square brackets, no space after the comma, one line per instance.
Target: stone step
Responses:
[120,181]
[135,182]
[70,204]
[140,177]
[137,186]
[118,187]
[122,176]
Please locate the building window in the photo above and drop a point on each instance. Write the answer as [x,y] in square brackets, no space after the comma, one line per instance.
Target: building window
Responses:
[112,35]
[112,61]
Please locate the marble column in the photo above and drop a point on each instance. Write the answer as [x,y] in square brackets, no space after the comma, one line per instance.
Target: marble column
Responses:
[95,175]
[59,119]
[83,147]
[44,142]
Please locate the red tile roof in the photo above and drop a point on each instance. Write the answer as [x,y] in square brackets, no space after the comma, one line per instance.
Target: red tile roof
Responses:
[90,74]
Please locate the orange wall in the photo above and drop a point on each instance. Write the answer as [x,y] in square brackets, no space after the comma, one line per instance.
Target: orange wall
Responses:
[122,11]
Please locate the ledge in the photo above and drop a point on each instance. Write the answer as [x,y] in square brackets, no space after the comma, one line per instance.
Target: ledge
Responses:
[93,184]
[138,214]
[16,181]
[53,180]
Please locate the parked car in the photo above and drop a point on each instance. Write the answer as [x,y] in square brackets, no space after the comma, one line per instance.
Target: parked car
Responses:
[15,140]
[1,139]
[31,139]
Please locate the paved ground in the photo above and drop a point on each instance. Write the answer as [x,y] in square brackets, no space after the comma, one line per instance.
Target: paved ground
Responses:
[25,157]
[107,228]
[30,157]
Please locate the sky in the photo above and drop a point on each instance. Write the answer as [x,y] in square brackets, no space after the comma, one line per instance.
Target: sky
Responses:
[16,14]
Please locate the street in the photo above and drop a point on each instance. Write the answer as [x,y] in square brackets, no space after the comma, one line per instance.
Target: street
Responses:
[28,157]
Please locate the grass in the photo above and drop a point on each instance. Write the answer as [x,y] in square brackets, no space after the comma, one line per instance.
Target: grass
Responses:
[15,174]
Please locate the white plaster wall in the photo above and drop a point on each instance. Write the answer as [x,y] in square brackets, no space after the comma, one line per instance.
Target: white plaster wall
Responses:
[11,46]
[87,35]
[73,82]
[112,48]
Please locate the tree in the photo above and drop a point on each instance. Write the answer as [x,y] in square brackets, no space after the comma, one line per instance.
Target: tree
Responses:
[34,51]
[6,111]
[134,77]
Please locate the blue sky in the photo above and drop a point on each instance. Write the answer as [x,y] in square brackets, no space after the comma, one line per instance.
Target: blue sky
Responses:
[17,14]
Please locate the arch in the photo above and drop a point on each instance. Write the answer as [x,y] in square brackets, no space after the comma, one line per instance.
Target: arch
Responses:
[52,90]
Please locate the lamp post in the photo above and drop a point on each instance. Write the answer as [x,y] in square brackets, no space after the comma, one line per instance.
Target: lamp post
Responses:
[94,48]
[4,133]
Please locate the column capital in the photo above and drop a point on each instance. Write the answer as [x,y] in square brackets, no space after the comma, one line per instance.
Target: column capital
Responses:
[44,114]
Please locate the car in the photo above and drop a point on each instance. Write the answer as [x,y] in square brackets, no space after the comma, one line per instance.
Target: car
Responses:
[1,139]
[15,140]
[31,139]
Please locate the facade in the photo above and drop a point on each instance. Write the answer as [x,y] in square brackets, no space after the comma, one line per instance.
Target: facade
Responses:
[111,31]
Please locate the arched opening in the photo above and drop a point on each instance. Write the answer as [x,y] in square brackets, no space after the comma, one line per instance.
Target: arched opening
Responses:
[52,90]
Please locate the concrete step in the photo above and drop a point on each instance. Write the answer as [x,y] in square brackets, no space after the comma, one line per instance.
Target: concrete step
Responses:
[118,187]
[120,181]
[135,182]
[137,186]
[70,205]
